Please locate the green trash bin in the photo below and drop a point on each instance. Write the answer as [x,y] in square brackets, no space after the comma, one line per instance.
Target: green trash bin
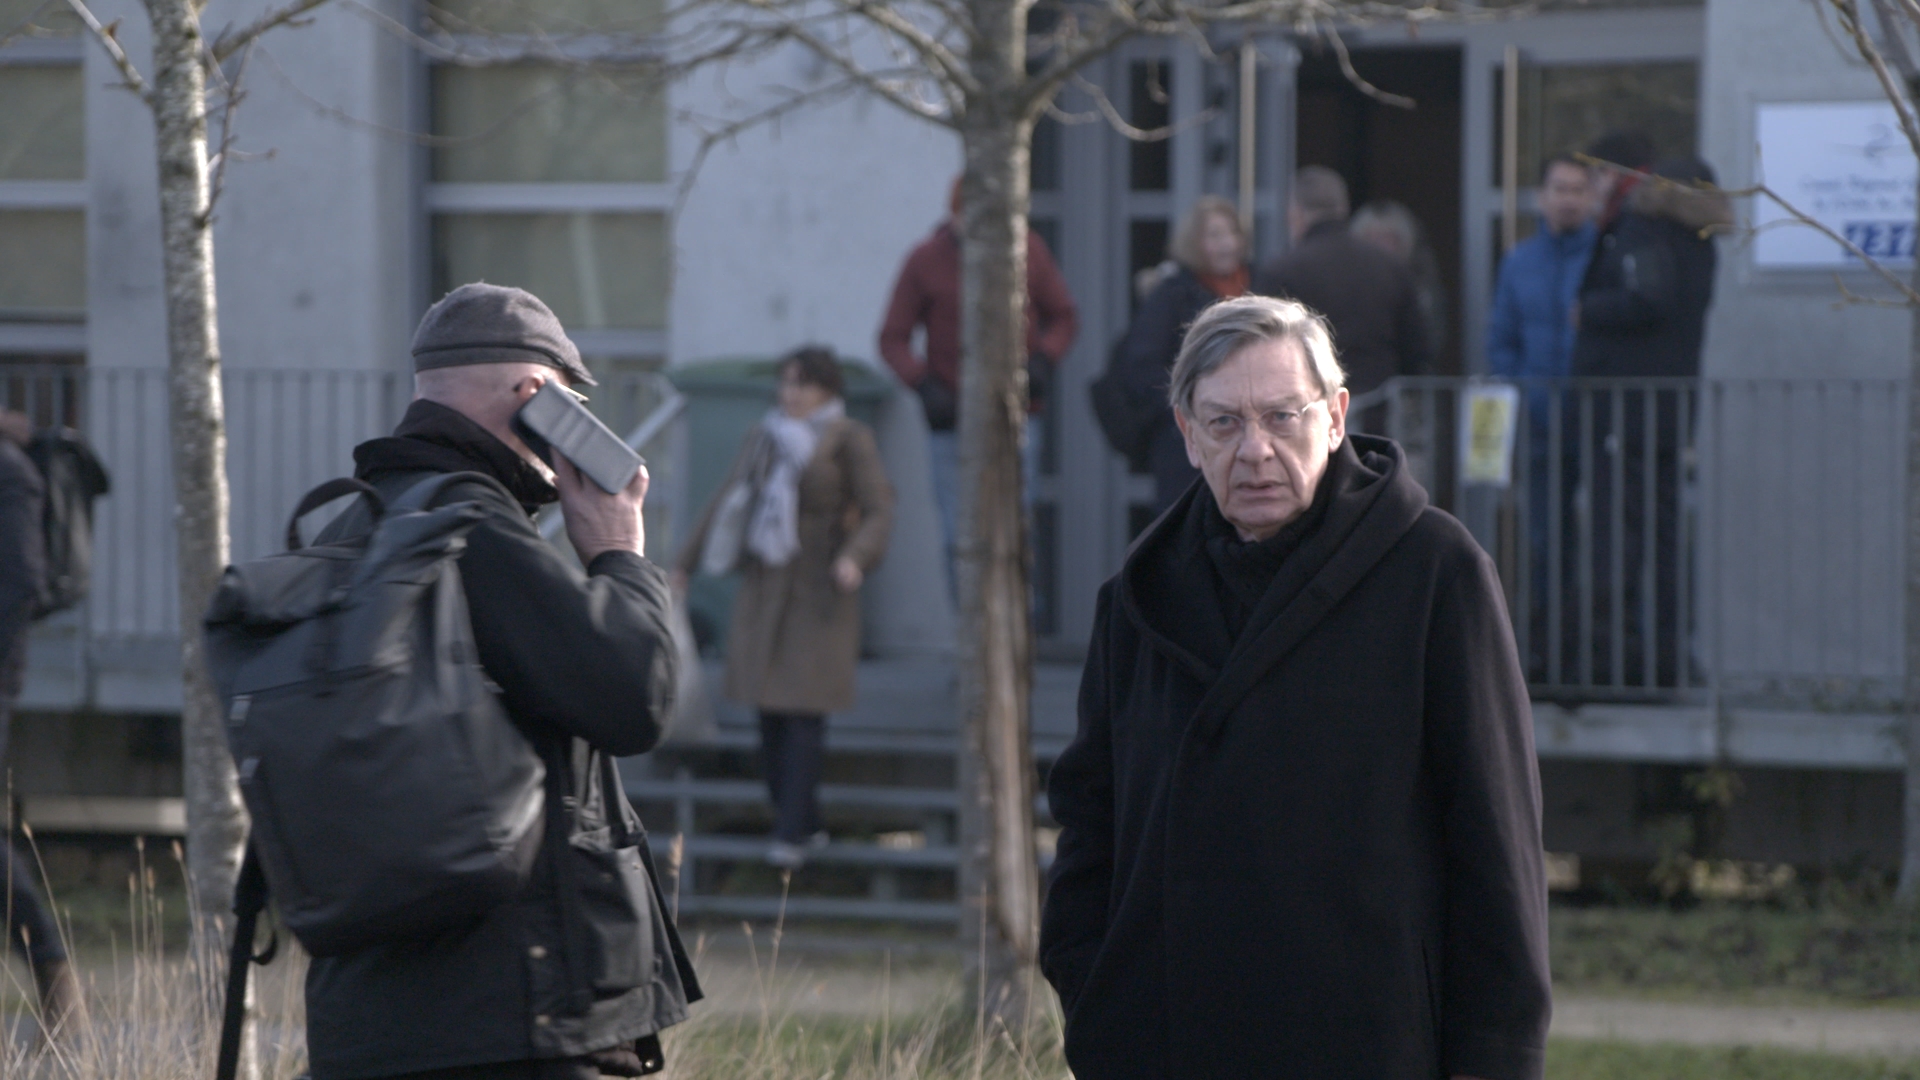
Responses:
[725,399]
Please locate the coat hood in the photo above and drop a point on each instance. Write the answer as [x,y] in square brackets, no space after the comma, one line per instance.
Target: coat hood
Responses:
[1683,191]
[1168,572]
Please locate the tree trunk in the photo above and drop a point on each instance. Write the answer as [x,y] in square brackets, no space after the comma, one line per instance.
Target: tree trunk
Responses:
[1908,891]
[999,871]
[216,823]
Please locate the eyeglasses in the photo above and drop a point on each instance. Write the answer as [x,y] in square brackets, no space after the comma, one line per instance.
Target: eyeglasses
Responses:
[1227,429]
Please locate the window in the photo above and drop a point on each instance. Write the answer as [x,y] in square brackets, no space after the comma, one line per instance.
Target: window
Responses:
[543,18]
[1566,107]
[43,197]
[43,265]
[554,177]
[31,19]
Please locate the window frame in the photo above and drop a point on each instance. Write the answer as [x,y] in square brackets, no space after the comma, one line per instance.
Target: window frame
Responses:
[623,346]
[51,336]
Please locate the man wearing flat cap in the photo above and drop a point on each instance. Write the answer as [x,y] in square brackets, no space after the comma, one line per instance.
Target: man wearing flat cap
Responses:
[575,978]
[1300,820]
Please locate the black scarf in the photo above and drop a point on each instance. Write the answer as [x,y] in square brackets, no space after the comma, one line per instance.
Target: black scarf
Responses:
[1243,569]
[434,438]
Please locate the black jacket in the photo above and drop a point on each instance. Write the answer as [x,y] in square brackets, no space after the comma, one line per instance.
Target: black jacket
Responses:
[585,960]
[1643,302]
[22,563]
[1317,856]
[1146,359]
[1367,297]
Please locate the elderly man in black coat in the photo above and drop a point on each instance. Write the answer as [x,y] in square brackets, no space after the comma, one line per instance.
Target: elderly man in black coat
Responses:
[1301,817]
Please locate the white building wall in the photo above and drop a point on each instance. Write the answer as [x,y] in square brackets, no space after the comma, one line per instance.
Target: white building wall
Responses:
[792,234]
[312,236]
[1782,323]
[1802,555]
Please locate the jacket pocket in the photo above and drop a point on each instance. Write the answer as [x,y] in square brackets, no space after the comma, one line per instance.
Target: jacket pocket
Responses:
[617,916]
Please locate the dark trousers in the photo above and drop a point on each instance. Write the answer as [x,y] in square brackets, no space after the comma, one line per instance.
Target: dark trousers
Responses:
[30,924]
[793,751]
[1634,635]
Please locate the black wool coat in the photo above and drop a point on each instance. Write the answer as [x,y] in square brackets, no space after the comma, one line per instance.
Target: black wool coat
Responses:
[585,961]
[1644,299]
[1317,856]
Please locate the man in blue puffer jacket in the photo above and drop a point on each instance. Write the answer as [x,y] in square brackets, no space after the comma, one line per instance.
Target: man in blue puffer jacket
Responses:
[1530,333]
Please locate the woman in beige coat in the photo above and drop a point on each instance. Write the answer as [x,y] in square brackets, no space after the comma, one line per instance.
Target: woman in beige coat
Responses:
[803,517]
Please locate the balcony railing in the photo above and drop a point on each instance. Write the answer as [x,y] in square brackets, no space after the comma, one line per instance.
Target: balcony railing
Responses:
[287,431]
[1720,542]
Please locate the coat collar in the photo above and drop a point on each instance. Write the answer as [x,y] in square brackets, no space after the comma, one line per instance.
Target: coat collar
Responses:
[434,438]
[1379,503]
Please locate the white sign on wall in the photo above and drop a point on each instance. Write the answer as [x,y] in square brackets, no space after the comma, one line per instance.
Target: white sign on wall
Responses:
[1844,164]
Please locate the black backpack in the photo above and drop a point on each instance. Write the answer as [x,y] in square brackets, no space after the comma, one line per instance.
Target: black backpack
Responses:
[391,795]
[1126,418]
[74,478]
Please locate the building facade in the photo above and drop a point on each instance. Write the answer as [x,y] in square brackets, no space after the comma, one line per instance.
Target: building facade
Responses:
[390,150]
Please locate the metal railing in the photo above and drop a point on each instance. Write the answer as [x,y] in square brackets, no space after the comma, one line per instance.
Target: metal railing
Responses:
[1672,540]
[287,431]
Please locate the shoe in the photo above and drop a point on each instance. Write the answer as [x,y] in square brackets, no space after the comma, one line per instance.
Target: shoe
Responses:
[63,1008]
[791,856]
[785,856]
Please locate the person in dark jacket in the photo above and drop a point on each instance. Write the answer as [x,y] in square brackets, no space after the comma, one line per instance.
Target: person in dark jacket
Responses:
[576,977]
[30,924]
[1530,338]
[1300,818]
[1368,298]
[1209,252]
[1642,316]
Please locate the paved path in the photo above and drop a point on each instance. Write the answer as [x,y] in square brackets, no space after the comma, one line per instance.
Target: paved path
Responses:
[830,978]
[1883,1032]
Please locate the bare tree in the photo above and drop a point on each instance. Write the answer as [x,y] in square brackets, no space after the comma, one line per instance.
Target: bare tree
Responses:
[177,95]
[1885,36]
[978,68]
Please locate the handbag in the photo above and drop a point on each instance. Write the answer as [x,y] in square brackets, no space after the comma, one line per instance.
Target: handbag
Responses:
[727,532]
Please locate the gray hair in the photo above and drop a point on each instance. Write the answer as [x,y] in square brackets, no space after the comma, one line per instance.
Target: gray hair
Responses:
[1231,325]
[1321,192]
[1185,247]
[1384,216]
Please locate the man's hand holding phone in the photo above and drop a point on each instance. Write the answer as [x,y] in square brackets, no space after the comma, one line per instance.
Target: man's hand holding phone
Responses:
[598,522]
[602,481]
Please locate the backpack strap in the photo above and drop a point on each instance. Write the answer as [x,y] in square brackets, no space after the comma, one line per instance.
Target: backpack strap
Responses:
[249,899]
[324,494]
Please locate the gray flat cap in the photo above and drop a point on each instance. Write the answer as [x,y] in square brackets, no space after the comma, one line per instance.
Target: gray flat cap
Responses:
[494,324]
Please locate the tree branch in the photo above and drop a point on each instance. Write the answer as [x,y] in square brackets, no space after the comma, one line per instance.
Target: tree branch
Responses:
[930,48]
[231,42]
[1353,77]
[784,26]
[1848,12]
[231,88]
[1108,111]
[105,36]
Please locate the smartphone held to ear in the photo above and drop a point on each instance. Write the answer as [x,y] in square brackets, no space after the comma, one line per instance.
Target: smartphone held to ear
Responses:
[554,419]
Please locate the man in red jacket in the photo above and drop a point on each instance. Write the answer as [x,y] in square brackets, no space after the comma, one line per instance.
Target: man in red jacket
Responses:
[927,296]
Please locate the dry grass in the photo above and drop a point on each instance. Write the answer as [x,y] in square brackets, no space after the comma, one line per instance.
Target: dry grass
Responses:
[155,1008]
[154,1004]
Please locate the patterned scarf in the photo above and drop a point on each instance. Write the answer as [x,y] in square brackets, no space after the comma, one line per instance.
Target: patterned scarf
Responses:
[773,535]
